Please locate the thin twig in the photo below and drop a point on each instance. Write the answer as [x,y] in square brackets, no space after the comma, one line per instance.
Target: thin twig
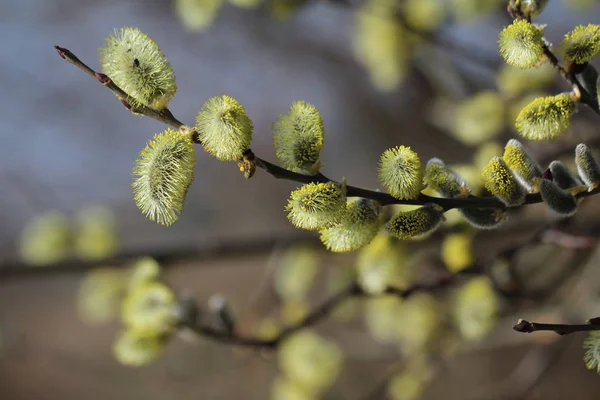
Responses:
[168,118]
[524,326]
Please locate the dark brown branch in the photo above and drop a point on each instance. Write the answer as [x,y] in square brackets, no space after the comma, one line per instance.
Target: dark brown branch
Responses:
[168,118]
[163,116]
[524,326]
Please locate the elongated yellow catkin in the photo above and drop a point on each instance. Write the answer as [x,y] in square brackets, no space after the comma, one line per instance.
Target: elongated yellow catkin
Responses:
[416,223]
[224,128]
[298,138]
[163,173]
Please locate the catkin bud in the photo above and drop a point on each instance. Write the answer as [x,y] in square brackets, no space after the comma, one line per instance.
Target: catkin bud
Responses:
[441,179]
[135,63]
[525,168]
[546,117]
[581,44]
[310,360]
[558,200]
[298,138]
[316,206]
[224,128]
[562,175]
[521,44]
[136,347]
[533,7]
[165,171]
[400,173]
[359,226]
[416,223]
[149,307]
[457,251]
[197,15]
[501,182]
[587,166]
[476,308]
[483,218]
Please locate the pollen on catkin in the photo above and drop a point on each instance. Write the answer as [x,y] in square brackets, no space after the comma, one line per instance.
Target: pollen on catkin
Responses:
[400,173]
[358,227]
[298,138]
[441,179]
[163,173]
[526,168]
[558,200]
[316,206]
[499,180]
[483,218]
[416,223]
[546,117]
[224,128]
[581,44]
[587,166]
[521,44]
[135,63]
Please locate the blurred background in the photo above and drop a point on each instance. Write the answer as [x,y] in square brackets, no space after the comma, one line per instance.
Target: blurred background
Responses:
[432,80]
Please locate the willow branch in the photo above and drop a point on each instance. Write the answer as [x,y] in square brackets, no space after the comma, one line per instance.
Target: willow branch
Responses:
[566,73]
[524,326]
[278,172]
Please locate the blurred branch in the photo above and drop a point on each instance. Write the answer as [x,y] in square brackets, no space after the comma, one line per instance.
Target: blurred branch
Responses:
[525,326]
[324,309]
[168,118]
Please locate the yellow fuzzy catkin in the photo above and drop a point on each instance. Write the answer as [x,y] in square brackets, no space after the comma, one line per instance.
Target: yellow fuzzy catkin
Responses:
[525,168]
[591,345]
[381,264]
[521,44]
[500,182]
[400,172]
[546,117]
[316,206]
[224,128]
[457,251]
[476,307]
[135,348]
[441,179]
[298,138]
[581,44]
[381,44]
[135,63]
[149,307]
[416,223]
[310,360]
[163,173]
[358,227]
